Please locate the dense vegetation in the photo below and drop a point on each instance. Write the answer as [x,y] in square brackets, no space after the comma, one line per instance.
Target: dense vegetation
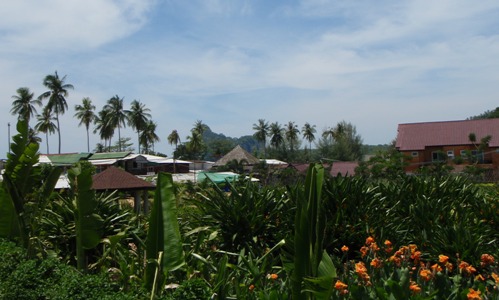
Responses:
[324,237]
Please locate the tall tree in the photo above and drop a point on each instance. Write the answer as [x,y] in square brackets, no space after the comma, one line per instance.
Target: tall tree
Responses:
[118,115]
[174,139]
[46,125]
[138,117]
[85,113]
[199,127]
[276,138]
[308,132]
[24,104]
[195,144]
[148,136]
[262,129]
[103,126]
[291,133]
[56,95]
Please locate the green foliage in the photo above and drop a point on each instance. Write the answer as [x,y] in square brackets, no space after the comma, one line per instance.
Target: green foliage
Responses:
[163,235]
[193,289]
[488,114]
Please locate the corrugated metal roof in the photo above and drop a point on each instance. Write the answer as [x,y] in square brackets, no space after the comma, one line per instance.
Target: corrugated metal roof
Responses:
[66,159]
[109,155]
[417,136]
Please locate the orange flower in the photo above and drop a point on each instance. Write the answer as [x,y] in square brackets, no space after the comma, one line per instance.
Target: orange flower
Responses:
[376,263]
[374,247]
[340,285]
[467,268]
[436,268]
[496,277]
[416,255]
[413,247]
[474,295]
[388,246]
[414,287]
[272,276]
[479,277]
[369,240]
[344,248]
[443,259]
[425,274]
[486,259]
[251,288]
[449,266]
[395,260]
[363,251]
[361,270]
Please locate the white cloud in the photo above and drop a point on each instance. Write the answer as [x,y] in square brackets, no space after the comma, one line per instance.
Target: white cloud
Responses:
[60,24]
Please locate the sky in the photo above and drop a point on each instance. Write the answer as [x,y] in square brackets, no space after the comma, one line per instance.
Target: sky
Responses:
[228,63]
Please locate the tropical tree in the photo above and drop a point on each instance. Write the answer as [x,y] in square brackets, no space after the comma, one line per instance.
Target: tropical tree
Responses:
[103,126]
[138,117]
[24,104]
[199,127]
[195,144]
[56,95]
[46,125]
[308,132]
[344,143]
[118,116]
[276,138]
[148,136]
[261,132]
[174,139]
[85,113]
[291,133]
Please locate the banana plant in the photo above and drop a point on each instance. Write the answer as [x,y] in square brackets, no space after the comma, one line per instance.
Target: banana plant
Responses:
[23,190]
[88,224]
[163,235]
[310,261]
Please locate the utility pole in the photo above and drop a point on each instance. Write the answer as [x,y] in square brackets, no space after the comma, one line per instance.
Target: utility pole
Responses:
[8,133]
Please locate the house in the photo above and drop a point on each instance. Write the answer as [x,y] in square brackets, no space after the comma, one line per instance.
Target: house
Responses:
[337,168]
[429,142]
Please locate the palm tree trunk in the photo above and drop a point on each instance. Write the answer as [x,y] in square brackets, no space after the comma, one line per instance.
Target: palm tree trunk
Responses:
[88,142]
[58,130]
[119,138]
[138,140]
[47,141]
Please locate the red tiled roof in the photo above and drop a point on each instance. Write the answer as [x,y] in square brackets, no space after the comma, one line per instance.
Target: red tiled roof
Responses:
[417,136]
[114,178]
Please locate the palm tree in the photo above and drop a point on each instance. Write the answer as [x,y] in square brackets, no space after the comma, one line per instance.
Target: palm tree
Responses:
[334,133]
[174,138]
[262,131]
[24,104]
[291,134]
[56,94]
[308,132]
[195,144]
[117,115]
[137,117]
[276,138]
[46,125]
[148,136]
[103,126]
[199,127]
[85,113]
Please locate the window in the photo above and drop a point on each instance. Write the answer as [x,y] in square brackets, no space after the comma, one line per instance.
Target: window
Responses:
[437,156]
[450,154]
[415,154]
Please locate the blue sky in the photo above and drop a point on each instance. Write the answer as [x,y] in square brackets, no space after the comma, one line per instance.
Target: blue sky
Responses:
[229,63]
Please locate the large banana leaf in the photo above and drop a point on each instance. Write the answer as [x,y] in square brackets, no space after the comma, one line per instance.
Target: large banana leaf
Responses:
[88,224]
[309,230]
[164,233]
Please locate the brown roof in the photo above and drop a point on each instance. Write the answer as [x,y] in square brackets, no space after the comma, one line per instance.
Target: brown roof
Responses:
[238,153]
[417,136]
[345,168]
[114,178]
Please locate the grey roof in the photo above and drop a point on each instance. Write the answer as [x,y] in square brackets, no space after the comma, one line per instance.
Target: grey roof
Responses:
[238,153]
